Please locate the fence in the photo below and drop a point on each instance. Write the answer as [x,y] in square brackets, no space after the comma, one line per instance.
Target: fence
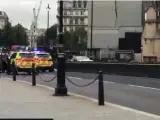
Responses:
[99,78]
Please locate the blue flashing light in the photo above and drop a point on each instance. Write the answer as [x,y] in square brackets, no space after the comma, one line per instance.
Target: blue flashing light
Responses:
[38,52]
[35,49]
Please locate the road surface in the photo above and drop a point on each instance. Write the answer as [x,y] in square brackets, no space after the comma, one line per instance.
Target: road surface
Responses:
[134,92]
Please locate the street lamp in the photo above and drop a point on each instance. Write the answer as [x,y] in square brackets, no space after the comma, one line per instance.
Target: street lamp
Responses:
[18,34]
[91,24]
[61,89]
[48,9]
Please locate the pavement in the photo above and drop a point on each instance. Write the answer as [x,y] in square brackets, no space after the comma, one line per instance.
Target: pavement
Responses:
[21,100]
[141,98]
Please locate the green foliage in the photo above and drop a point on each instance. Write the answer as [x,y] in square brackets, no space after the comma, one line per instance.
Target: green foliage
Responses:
[72,40]
[76,39]
[51,34]
[13,35]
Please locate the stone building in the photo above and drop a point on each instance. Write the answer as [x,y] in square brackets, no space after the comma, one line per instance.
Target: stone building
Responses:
[116,25]
[75,14]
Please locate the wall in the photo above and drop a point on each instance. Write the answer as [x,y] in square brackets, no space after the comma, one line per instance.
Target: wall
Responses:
[106,28]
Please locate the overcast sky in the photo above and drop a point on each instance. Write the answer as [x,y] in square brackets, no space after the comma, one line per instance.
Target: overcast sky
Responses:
[22,11]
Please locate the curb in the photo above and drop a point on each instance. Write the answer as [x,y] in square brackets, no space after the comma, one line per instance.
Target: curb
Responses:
[95,100]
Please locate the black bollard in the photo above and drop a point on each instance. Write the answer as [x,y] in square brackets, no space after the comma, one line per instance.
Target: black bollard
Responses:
[33,75]
[61,89]
[14,71]
[101,89]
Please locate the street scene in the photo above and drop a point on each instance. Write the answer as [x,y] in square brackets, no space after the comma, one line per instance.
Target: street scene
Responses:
[80,59]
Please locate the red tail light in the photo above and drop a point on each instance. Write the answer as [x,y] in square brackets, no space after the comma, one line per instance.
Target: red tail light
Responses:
[36,59]
[19,59]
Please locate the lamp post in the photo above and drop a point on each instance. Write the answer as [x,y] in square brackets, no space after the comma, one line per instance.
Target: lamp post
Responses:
[18,34]
[91,24]
[61,89]
[48,9]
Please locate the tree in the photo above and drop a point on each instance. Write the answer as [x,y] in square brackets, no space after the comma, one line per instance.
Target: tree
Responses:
[13,35]
[81,37]
[19,35]
[75,40]
[67,38]
[40,40]
[5,34]
[51,34]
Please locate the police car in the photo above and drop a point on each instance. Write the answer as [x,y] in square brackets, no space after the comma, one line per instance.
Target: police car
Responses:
[44,61]
[23,62]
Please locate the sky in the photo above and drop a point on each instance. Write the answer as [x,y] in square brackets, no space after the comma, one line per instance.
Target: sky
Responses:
[21,11]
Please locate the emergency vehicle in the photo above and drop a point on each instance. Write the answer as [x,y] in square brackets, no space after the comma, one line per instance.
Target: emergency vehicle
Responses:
[45,61]
[23,62]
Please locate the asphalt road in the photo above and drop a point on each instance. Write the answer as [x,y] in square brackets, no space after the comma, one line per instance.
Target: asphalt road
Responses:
[134,92]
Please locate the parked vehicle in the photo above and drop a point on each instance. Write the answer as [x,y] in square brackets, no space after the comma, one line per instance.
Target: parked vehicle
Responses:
[23,62]
[81,59]
[44,61]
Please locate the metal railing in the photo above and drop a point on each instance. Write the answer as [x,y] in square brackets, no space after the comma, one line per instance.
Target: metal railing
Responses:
[99,78]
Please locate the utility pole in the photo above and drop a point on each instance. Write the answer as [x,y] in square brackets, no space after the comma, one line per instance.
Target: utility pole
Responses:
[18,34]
[48,9]
[61,89]
[91,26]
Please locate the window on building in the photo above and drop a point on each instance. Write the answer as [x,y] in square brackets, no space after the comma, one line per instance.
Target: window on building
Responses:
[85,3]
[79,3]
[74,4]
[65,29]
[65,13]
[71,12]
[71,21]
[65,6]
[82,12]
[82,21]
[71,28]
[76,12]
[76,21]
[65,20]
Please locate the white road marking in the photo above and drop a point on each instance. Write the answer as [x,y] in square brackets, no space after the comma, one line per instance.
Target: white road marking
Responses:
[114,82]
[75,78]
[143,87]
[95,100]
[125,84]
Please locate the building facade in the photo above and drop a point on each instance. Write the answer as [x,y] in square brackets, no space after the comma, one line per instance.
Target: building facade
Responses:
[114,22]
[151,34]
[75,14]
[33,37]
[3,19]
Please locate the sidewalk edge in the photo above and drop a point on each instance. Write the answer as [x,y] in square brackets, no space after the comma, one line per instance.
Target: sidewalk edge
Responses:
[95,100]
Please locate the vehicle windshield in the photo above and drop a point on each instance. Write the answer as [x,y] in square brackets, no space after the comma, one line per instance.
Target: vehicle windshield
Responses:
[43,55]
[27,55]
